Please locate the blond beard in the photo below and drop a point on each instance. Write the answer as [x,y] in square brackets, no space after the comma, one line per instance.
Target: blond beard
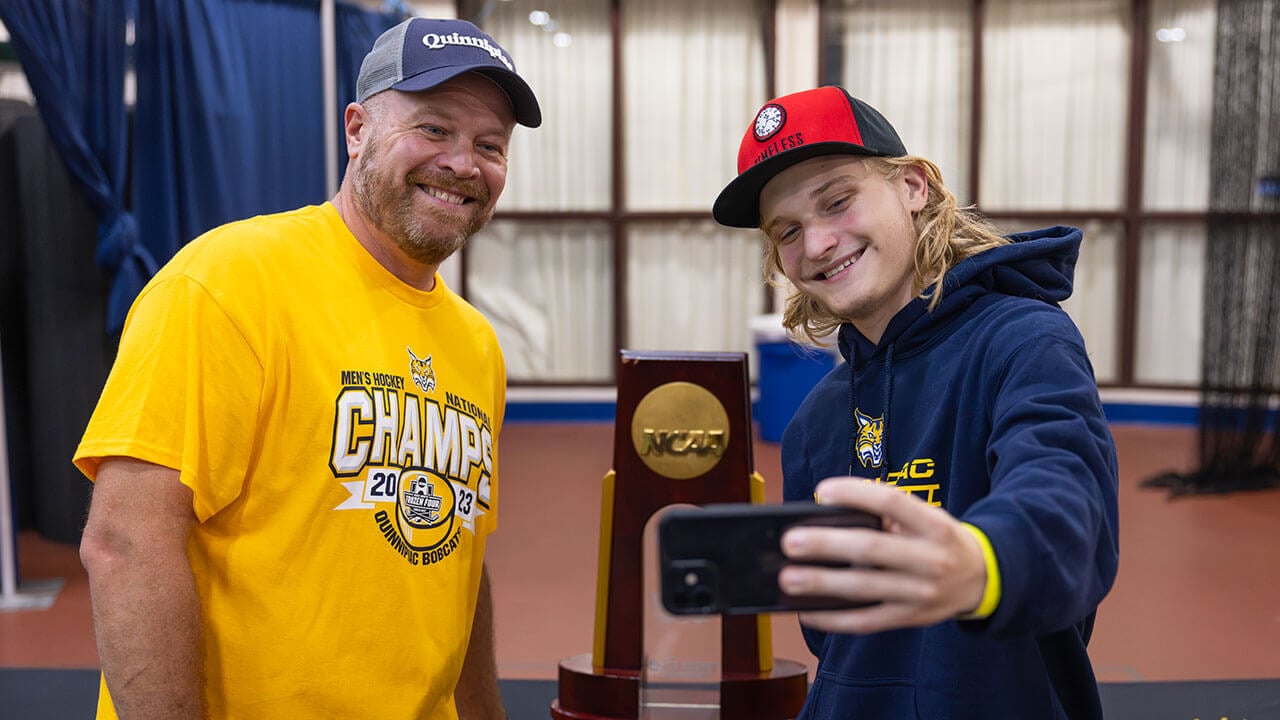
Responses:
[424,237]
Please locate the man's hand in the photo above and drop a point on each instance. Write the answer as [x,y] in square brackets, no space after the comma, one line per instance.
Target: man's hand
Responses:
[923,568]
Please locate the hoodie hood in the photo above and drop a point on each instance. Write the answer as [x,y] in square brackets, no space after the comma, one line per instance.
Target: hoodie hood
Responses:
[1039,265]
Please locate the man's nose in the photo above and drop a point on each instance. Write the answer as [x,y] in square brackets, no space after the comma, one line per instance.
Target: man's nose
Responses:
[819,238]
[460,159]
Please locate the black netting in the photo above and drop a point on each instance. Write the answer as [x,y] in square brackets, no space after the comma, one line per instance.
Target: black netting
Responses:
[1240,360]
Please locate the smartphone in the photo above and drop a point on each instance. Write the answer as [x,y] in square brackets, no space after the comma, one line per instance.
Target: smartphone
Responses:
[724,558]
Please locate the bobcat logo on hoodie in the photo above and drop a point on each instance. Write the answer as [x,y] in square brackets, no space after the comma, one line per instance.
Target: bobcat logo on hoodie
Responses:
[870,439]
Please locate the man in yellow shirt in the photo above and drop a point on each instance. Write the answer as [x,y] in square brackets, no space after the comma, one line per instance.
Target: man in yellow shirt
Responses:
[295,454]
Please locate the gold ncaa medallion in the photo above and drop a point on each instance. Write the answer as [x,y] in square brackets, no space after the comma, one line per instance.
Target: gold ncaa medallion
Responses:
[680,430]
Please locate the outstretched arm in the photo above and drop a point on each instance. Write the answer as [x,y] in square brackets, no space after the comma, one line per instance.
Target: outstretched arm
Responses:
[146,615]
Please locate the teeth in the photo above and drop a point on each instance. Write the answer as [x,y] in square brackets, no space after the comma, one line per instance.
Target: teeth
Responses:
[446,196]
[828,274]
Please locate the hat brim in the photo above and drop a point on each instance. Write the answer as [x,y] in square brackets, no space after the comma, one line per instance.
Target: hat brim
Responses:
[738,205]
[523,102]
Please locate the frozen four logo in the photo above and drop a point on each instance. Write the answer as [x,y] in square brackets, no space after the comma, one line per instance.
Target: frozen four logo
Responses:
[421,503]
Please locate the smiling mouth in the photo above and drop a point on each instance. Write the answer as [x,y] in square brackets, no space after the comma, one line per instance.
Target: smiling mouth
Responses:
[828,274]
[445,196]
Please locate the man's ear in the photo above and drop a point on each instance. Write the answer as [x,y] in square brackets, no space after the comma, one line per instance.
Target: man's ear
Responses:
[916,187]
[355,123]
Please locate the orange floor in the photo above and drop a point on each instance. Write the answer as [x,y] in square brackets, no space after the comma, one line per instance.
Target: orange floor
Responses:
[1197,595]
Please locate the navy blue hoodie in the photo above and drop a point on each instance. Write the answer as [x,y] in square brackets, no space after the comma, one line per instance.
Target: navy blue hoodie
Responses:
[988,407]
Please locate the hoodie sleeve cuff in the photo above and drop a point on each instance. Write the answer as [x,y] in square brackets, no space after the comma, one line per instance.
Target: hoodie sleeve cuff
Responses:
[991,594]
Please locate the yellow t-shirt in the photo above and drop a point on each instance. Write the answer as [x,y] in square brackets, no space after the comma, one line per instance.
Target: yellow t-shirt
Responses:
[339,432]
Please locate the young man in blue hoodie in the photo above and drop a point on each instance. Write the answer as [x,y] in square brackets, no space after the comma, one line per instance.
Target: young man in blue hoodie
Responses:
[966,416]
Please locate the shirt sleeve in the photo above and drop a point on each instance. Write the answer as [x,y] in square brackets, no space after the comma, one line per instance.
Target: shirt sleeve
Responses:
[184,392]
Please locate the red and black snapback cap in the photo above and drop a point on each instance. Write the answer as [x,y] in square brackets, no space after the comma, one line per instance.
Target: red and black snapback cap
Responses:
[793,128]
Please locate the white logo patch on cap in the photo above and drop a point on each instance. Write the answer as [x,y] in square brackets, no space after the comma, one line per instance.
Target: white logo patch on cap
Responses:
[768,121]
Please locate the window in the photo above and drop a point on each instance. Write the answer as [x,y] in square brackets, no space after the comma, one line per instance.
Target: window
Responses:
[1093,113]
[603,238]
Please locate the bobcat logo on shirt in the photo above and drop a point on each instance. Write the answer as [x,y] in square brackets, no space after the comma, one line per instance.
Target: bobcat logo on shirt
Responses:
[870,442]
[423,375]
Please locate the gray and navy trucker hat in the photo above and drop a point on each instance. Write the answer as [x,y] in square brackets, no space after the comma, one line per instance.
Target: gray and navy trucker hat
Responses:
[421,53]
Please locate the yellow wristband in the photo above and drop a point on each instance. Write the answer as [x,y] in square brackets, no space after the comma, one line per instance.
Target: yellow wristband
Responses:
[991,593]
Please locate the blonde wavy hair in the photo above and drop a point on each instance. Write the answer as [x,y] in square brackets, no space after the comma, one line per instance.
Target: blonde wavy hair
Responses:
[945,235]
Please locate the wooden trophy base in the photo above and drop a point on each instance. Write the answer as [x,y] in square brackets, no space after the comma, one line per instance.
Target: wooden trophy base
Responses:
[777,694]
[588,693]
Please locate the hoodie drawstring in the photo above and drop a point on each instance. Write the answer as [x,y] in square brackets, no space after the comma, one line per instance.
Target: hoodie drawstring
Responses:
[853,421]
[884,426]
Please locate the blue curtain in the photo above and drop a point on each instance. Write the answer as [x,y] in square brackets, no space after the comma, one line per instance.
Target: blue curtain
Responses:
[229,115]
[74,55]
[228,123]
[355,29]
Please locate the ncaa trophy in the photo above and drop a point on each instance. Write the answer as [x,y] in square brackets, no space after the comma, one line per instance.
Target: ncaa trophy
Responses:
[682,434]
